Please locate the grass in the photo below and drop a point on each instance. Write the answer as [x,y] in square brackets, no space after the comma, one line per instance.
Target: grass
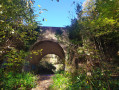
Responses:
[80,81]
[17,81]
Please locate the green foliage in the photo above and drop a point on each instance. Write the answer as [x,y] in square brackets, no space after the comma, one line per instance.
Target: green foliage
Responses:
[17,81]
[103,80]
[80,81]
[102,20]
[15,60]
[74,32]
[17,28]
[96,29]
[17,19]
[17,33]
[61,81]
[68,81]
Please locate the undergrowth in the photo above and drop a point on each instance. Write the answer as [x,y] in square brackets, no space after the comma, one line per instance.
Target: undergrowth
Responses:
[80,81]
[17,81]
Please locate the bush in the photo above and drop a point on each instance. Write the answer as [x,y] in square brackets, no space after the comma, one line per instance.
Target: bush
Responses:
[80,81]
[104,80]
[16,81]
[69,81]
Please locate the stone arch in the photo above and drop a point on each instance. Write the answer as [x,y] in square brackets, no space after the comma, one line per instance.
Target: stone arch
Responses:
[49,47]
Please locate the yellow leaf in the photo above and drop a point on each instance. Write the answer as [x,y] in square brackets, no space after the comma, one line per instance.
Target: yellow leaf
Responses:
[3,36]
[87,81]
[45,19]
[39,5]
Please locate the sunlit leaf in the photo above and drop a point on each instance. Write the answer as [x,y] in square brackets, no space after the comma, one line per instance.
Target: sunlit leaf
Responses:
[39,6]
[45,19]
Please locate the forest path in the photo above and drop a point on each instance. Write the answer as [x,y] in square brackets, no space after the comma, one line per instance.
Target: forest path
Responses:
[44,82]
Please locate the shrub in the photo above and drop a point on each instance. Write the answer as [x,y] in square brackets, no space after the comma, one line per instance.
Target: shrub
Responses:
[103,80]
[80,81]
[69,81]
[16,81]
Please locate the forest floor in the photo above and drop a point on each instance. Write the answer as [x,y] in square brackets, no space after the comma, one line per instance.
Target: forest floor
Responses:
[44,82]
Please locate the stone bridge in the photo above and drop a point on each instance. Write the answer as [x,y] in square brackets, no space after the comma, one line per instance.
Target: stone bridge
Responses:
[52,40]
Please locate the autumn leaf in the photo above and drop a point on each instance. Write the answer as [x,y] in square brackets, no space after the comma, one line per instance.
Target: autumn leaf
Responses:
[39,6]
[45,19]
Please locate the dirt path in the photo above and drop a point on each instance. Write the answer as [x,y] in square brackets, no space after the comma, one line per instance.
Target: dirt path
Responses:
[44,82]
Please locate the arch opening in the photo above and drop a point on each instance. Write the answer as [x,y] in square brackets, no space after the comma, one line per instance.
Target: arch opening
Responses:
[49,48]
[50,63]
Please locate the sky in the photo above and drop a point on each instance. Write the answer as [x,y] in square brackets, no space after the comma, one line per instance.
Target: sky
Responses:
[59,14]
